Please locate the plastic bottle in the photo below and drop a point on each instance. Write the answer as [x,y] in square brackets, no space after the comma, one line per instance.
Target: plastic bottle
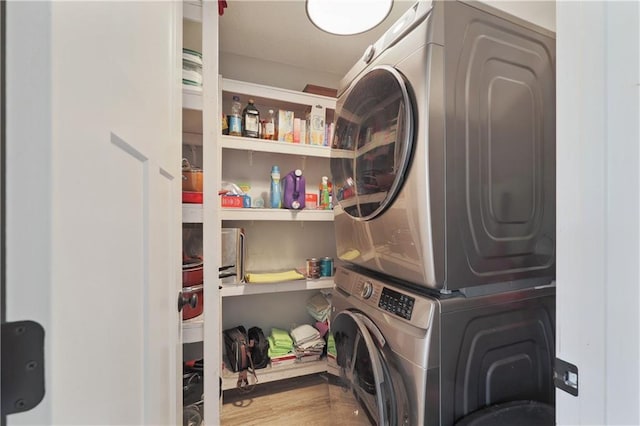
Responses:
[275,199]
[324,194]
[270,126]
[235,119]
[251,121]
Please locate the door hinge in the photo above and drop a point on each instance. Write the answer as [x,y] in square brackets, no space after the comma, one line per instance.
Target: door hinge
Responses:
[22,366]
[565,377]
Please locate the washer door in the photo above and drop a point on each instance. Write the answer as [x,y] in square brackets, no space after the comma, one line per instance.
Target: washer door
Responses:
[372,142]
[365,387]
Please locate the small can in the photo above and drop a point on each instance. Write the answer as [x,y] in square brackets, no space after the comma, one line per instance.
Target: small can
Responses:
[313,268]
[326,266]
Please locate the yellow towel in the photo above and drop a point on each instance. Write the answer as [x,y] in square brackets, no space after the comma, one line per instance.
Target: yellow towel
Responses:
[350,254]
[273,277]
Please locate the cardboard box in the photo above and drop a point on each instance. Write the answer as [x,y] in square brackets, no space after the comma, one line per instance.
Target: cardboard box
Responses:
[320,90]
[315,125]
[285,126]
[311,200]
[231,201]
[303,132]
[296,130]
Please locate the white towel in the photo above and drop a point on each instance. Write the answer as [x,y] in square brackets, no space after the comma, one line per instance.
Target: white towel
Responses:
[304,333]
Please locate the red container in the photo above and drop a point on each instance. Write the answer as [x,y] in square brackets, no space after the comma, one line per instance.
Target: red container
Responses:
[192,275]
[192,197]
[187,311]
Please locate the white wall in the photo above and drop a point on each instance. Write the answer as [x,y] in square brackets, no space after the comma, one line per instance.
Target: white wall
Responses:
[598,49]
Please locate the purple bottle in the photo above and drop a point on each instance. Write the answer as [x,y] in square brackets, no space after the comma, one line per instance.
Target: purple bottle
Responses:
[294,190]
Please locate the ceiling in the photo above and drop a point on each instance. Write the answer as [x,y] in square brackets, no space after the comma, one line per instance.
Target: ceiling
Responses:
[279,31]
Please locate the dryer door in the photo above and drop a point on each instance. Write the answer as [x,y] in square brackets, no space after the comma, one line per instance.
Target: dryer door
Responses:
[372,142]
[365,386]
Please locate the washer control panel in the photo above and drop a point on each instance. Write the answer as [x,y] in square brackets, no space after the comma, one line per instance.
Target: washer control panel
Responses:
[397,303]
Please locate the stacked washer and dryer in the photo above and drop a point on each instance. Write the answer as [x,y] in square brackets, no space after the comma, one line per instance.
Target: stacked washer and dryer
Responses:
[443,163]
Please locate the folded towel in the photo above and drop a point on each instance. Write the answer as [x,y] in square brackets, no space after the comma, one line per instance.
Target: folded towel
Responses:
[315,343]
[274,351]
[331,345]
[304,333]
[318,307]
[281,337]
[273,277]
[350,255]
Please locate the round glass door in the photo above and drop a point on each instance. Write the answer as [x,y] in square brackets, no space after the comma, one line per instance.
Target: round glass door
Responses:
[372,143]
[367,389]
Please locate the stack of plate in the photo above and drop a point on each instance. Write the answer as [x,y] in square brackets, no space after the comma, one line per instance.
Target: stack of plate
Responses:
[191,69]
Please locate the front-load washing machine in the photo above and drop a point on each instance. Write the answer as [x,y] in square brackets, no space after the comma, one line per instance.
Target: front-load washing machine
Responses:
[397,357]
[443,156]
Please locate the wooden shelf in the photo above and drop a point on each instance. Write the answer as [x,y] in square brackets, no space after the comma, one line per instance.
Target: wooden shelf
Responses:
[243,289]
[263,145]
[191,213]
[227,213]
[271,374]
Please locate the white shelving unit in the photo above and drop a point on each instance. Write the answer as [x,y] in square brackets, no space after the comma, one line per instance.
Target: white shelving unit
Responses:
[192,11]
[191,99]
[276,214]
[191,213]
[270,374]
[238,155]
[276,239]
[274,147]
[193,330]
[229,290]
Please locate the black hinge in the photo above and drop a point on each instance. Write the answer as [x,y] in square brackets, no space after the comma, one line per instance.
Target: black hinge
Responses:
[22,366]
[565,377]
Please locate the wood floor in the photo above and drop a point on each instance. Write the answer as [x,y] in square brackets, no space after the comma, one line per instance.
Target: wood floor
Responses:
[298,401]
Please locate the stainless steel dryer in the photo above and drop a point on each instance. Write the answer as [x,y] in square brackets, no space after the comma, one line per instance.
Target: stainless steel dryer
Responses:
[443,159]
[404,358]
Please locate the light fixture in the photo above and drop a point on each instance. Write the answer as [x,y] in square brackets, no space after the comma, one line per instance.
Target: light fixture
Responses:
[347,17]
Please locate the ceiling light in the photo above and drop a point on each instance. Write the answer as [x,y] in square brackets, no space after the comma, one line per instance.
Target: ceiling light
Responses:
[347,17]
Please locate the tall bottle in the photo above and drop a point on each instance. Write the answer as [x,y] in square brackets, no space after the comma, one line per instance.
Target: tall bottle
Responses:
[270,126]
[324,200]
[251,121]
[275,199]
[235,119]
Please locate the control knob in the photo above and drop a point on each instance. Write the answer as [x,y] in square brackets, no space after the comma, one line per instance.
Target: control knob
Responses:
[367,290]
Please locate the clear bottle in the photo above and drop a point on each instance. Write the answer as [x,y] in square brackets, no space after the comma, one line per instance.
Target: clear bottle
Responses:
[275,199]
[235,119]
[270,126]
[323,199]
[251,121]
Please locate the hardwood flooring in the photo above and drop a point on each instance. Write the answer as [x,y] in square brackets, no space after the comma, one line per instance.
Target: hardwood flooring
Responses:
[298,401]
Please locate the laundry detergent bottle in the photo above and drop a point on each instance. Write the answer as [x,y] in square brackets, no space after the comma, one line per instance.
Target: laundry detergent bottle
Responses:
[294,190]
[275,196]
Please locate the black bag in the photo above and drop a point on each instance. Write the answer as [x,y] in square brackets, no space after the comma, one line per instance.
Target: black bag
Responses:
[237,347]
[258,347]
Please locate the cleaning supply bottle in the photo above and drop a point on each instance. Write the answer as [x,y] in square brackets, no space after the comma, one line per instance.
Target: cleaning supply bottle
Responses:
[235,119]
[324,194]
[275,200]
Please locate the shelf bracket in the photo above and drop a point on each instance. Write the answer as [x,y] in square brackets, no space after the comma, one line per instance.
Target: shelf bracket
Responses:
[250,154]
[304,163]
